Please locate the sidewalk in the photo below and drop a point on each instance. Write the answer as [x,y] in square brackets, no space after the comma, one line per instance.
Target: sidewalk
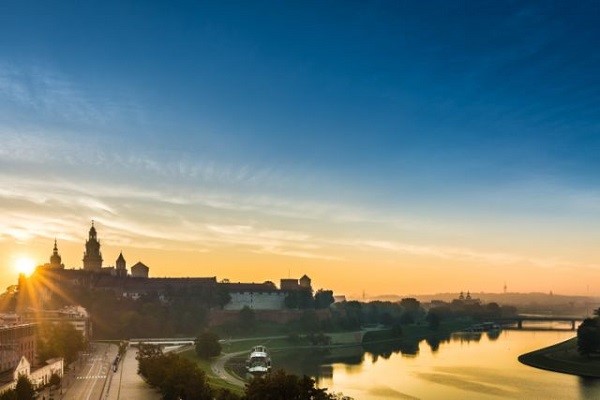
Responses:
[126,384]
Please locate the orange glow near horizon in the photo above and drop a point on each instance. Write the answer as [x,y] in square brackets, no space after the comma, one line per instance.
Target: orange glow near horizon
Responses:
[376,272]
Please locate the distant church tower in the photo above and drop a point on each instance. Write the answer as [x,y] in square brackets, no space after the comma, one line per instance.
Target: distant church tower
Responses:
[121,265]
[92,258]
[55,259]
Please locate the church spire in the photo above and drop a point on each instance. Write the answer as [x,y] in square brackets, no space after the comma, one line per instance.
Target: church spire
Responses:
[121,265]
[55,259]
[92,234]
[92,258]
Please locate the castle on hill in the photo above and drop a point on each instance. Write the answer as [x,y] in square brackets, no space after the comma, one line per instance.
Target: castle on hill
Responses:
[137,283]
[92,260]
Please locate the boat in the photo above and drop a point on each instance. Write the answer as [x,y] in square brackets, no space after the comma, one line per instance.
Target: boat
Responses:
[258,362]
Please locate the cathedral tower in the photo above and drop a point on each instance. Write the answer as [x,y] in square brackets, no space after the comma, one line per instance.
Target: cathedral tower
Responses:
[121,265]
[55,259]
[92,258]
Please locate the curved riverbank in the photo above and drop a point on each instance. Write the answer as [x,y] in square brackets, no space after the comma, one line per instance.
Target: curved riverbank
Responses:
[564,358]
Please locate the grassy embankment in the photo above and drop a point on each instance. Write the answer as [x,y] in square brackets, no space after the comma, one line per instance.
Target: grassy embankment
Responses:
[214,381]
[284,345]
[563,357]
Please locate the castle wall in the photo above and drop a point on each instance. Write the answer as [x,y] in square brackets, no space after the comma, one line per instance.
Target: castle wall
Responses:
[220,317]
[256,301]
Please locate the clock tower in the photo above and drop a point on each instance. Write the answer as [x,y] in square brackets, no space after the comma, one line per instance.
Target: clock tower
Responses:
[92,258]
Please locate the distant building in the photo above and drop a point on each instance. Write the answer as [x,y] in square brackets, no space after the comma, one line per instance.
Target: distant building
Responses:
[74,315]
[287,284]
[9,319]
[92,258]
[305,283]
[55,259]
[121,266]
[339,298]
[39,377]
[136,284]
[16,341]
[139,270]
[257,296]
[466,300]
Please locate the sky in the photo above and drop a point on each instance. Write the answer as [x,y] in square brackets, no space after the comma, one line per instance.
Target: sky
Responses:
[380,147]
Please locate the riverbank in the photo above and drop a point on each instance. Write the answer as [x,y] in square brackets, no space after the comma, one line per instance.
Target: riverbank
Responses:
[227,370]
[564,358]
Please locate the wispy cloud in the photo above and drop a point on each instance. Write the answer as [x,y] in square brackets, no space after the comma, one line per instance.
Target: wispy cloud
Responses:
[52,95]
[484,258]
[147,218]
[140,218]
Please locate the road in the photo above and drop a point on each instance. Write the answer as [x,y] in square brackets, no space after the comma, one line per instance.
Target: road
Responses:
[87,381]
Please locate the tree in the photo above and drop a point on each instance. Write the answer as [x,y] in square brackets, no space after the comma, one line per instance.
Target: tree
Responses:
[410,304]
[54,379]
[323,298]
[24,389]
[588,337]
[247,318]
[434,319]
[222,296]
[309,322]
[291,300]
[60,340]
[207,345]
[279,385]
[174,376]
[224,394]
[147,353]
[301,299]
[493,310]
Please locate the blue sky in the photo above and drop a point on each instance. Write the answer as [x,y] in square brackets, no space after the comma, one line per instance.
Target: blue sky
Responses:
[459,119]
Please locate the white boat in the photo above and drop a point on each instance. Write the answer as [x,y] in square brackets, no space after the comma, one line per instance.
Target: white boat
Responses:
[258,362]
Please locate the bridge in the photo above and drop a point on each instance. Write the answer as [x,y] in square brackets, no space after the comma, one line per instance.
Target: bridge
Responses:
[519,319]
[162,341]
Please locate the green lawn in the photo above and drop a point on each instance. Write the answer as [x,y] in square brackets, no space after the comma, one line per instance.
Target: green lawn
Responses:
[214,381]
[248,344]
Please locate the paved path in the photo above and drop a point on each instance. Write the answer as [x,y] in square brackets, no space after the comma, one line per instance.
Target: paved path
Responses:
[218,368]
[127,384]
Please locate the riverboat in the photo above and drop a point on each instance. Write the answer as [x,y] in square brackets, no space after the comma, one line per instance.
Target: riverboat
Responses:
[259,361]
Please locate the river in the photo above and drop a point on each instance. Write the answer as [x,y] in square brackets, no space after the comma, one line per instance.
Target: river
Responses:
[457,367]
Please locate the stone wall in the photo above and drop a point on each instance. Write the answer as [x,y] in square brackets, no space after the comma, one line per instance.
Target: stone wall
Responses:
[256,300]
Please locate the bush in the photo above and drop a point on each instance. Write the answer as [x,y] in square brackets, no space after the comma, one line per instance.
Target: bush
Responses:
[207,345]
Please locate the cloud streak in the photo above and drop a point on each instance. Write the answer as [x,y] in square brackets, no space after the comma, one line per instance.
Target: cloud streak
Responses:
[52,95]
[153,219]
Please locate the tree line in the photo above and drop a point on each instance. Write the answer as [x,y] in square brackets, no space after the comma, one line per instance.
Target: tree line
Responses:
[178,378]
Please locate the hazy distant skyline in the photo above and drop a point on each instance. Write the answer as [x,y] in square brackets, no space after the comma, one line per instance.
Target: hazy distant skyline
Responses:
[387,147]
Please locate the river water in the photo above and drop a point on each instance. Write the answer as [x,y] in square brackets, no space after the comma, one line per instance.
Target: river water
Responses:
[461,367]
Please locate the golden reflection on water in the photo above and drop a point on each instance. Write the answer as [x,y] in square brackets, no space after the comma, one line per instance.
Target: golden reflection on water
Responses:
[466,367]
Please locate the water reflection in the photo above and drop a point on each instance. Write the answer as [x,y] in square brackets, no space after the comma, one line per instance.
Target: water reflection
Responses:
[459,366]
[588,388]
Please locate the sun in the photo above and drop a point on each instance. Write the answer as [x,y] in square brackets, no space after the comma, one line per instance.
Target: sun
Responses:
[24,265]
